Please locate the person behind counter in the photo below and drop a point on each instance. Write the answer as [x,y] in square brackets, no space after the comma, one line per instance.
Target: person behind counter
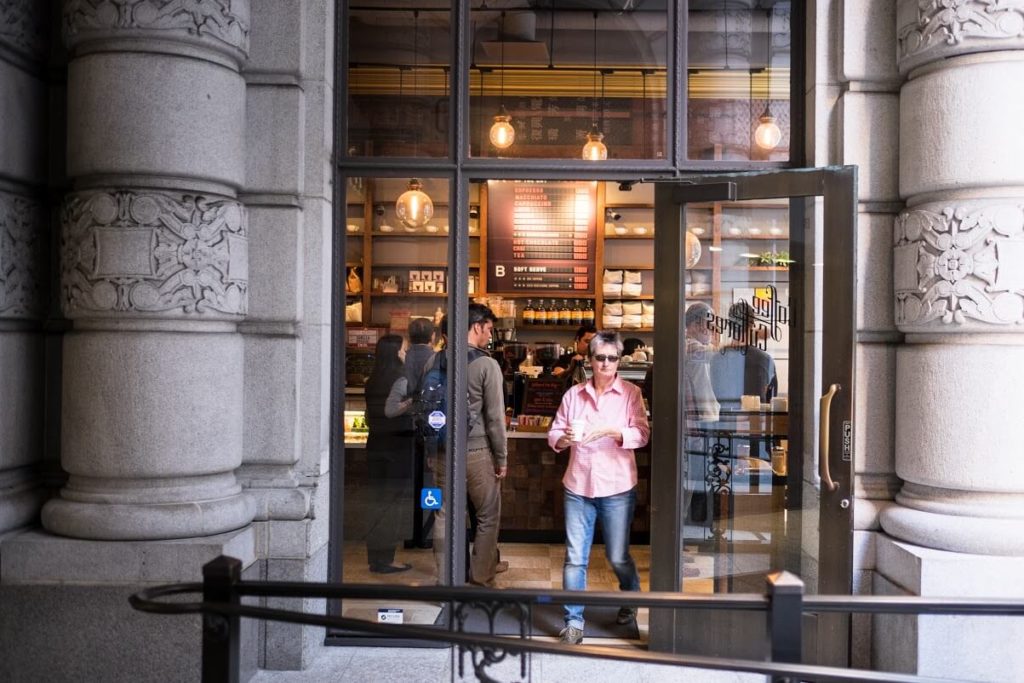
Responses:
[603,420]
[743,369]
[389,460]
[568,361]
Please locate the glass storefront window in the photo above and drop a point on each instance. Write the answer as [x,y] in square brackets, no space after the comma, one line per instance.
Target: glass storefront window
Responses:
[396,291]
[737,436]
[399,57]
[738,85]
[557,72]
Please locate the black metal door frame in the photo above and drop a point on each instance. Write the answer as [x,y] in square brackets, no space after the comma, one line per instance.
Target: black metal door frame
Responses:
[837,187]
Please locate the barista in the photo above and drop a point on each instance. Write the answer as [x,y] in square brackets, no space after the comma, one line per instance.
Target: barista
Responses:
[567,362]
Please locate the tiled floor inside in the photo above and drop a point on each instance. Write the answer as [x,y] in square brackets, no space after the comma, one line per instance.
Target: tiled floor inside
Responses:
[531,565]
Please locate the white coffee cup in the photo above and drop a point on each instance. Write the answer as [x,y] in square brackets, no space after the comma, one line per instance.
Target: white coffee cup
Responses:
[750,403]
[579,427]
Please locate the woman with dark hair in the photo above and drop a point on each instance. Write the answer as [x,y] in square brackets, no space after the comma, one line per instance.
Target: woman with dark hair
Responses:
[389,457]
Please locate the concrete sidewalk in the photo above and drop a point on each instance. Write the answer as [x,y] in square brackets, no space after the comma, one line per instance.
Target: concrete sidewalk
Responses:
[431,665]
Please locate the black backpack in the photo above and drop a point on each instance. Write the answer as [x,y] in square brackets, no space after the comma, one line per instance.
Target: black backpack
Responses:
[430,395]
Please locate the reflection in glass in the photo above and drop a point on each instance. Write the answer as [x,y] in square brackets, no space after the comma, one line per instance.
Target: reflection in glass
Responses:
[737,525]
[398,79]
[396,276]
[738,99]
[538,61]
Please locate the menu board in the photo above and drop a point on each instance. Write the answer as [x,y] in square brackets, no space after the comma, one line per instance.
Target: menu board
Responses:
[541,237]
[543,395]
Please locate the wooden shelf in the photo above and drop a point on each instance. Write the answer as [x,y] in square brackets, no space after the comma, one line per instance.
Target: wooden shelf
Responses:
[421,264]
[526,327]
[629,205]
[419,233]
[624,330]
[616,266]
[748,238]
[624,297]
[409,295]
[756,268]
[648,236]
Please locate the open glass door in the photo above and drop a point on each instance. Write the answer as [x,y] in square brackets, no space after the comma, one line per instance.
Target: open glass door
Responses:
[752,406]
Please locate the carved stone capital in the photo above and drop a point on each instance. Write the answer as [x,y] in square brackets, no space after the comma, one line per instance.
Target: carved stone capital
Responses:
[220,24]
[23,27]
[22,257]
[929,30]
[169,254]
[960,268]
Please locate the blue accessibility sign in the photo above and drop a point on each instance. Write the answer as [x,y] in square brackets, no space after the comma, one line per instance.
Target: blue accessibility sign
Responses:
[430,499]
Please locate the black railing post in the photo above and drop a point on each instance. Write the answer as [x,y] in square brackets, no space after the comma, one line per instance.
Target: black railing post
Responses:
[221,634]
[785,612]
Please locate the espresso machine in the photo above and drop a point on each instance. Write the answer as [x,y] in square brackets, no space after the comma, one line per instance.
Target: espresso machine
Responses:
[546,354]
[513,354]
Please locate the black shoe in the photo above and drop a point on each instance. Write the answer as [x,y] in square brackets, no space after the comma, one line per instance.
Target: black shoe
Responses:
[626,615]
[390,568]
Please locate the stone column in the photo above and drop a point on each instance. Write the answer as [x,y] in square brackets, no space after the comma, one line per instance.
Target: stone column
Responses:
[154,270]
[24,241]
[958,271]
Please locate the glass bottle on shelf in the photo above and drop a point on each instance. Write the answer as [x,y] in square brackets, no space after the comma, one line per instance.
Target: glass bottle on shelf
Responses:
[588,313]
[553,312]
[565,314]
[576,317]
[528,316]
[540,317]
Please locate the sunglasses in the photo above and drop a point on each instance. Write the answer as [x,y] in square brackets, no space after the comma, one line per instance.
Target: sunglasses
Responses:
[600,358]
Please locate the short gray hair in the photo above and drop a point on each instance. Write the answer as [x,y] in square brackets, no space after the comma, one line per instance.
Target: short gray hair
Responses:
[606,337]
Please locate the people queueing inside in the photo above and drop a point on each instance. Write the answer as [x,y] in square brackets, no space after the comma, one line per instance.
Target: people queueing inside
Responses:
[740,367]
[389,455]
[601,421]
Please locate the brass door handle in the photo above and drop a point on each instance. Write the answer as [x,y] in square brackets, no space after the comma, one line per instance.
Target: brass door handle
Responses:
[823,424]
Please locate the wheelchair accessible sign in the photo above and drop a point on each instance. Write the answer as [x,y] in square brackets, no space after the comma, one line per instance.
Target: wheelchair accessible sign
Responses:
[430,499]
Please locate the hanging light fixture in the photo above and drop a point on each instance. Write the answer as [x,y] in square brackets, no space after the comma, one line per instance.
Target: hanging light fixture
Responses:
[503,134]
[768,135]
[594,149]
[414,207]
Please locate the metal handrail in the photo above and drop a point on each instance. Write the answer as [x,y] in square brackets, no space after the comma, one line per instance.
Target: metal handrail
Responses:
[222,591]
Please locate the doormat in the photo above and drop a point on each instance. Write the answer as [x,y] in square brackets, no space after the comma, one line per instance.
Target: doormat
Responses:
[599,622]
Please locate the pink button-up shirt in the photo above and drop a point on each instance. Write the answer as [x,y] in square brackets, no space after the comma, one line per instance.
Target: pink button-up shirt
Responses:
[602,467]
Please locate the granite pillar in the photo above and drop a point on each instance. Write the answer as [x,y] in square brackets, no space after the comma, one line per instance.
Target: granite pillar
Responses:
[25,227]
[958,276]
[154,271]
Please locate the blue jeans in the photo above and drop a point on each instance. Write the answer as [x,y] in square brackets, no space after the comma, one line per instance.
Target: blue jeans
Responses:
[616,516]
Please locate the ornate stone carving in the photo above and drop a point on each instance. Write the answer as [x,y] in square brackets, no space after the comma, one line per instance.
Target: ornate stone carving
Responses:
[958,265]
[941,24]
[22,243]
[153,252]
[23,26]
[224,20]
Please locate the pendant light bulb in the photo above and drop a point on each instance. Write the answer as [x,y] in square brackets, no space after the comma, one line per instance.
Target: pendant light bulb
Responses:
[595,150]
[503,134]
[414,207]
[693,249]
[767,136]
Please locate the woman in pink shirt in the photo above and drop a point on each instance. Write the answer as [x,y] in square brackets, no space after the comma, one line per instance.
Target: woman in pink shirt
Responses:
[602,421]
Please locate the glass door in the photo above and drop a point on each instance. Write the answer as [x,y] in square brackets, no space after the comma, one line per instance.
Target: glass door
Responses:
[752,406]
